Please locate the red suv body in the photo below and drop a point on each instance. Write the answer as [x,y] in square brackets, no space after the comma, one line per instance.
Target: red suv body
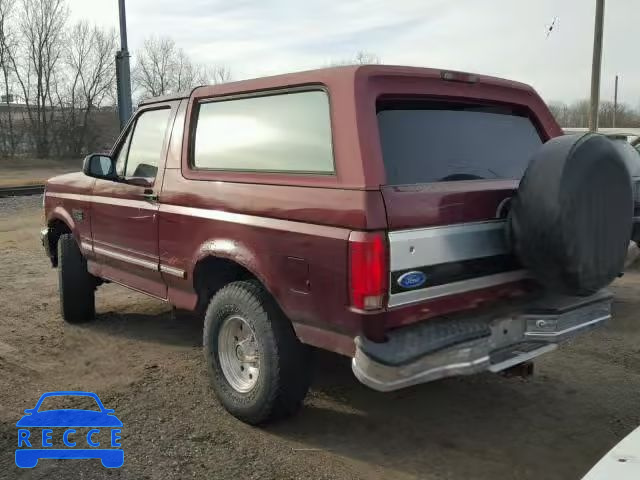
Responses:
[335,190]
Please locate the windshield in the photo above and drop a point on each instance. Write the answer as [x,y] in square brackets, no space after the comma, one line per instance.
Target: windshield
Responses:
[431,142]
[78,402]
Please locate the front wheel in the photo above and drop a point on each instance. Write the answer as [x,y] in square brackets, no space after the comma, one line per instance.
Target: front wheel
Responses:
[77,286]
[259,369]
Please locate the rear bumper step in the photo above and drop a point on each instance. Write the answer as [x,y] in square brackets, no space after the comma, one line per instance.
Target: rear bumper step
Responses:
[465,344]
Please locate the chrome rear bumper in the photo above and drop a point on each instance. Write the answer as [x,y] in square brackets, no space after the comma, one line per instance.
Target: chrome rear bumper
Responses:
[475,342]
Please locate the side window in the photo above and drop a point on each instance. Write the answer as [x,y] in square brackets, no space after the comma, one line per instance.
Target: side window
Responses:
[288,132]
[143,147]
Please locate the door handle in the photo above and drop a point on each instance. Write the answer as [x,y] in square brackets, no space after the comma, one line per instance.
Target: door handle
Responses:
[150,195]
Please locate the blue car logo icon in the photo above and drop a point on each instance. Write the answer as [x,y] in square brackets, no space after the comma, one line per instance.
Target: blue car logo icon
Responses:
[32,447]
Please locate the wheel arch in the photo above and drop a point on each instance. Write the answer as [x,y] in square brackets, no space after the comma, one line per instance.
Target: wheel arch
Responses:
[59,223]
[220,262]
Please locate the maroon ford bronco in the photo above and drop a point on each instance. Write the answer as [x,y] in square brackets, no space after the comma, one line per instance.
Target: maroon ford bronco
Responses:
[424,223]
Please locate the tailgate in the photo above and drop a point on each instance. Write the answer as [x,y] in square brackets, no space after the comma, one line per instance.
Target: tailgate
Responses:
[431,241]
[451,168]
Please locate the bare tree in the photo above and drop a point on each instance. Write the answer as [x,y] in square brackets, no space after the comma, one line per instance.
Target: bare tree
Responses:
[362,57]
[210,76]
[577,114]
[8,138]
[560,111]
[365,58]
[159,67]
[219,75]
[163,68]
[89,78]
[625,115]
[36,62]
[186,73]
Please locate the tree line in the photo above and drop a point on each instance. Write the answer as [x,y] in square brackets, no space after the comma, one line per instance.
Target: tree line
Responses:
[576,114]
[58,85]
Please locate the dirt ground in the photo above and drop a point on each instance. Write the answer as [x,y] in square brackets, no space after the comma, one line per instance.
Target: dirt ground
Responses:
[148,366]
[32,171]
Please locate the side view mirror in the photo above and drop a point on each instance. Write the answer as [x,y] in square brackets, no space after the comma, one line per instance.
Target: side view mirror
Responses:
[99,165]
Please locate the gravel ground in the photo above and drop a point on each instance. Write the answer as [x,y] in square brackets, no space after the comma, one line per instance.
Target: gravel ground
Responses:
[16,205]
[147,365]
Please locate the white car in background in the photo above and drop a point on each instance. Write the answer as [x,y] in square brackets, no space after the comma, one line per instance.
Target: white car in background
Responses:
[622,462]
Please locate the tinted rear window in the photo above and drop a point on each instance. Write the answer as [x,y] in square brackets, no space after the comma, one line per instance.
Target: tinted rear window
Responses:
[432,142]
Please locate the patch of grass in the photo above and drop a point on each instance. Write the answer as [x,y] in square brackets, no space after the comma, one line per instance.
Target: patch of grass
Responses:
[34,171]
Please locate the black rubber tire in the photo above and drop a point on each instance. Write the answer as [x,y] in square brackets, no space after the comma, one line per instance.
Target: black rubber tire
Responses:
[76,285]
[570,221]
[285,363]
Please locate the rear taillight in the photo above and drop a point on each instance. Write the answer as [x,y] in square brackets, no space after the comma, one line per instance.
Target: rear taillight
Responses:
[367,270]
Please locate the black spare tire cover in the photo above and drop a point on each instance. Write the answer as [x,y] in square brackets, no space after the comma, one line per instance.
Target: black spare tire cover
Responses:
[570,221]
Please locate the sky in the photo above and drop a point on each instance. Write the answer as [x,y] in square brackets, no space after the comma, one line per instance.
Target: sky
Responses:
[506,38]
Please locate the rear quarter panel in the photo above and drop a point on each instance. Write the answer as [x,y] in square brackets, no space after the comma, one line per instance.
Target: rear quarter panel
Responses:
[294,239]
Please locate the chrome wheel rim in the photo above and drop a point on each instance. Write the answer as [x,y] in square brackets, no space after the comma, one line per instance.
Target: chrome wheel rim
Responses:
[238,353]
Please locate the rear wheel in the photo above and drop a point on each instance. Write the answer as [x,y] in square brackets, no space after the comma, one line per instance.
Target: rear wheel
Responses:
[259,369]
[76,285]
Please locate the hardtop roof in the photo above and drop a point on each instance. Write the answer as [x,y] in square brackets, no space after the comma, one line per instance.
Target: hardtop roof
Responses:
[327,75]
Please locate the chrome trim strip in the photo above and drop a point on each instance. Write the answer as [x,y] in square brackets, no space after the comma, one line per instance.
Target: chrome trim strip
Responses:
[126,258]
[413,296]
[176,272]
[560,333]
[113,247]
[452,243]
[86,246]
[124,202]
[69,196]
[257,221]
[221,215]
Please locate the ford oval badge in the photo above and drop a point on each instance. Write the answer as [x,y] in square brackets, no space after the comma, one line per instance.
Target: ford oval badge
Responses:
[413,279]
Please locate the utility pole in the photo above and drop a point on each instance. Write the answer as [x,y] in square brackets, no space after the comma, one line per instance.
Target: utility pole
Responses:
[595,66]
[123,73]
[615,102]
